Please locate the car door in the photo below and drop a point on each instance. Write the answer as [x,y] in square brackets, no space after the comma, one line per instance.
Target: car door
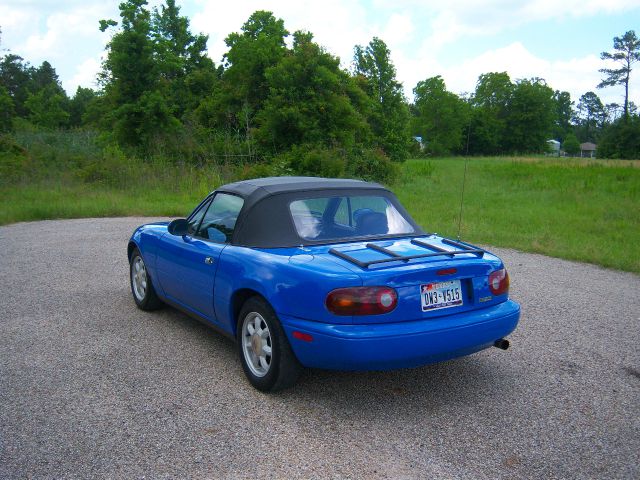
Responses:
[187,264]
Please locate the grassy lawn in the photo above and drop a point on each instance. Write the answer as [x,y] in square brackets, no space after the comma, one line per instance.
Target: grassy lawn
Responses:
[580,210]
[74,200]
[575,209]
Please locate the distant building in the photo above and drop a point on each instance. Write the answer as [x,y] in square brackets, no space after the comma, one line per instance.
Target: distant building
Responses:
[588,150]
[553,147]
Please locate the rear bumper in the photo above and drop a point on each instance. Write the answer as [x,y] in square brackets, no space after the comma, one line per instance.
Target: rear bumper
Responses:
[400,345]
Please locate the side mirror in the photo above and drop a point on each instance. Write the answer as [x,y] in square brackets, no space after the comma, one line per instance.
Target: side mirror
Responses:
[178,227]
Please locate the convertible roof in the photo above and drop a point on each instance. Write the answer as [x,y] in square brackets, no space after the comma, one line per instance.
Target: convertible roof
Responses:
[259,188]
[265,220]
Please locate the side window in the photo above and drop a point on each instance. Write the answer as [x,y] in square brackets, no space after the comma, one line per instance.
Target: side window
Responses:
[220,220]
[195,219]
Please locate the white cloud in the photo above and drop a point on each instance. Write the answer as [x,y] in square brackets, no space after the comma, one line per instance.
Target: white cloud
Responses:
[16,23]
[13,17]
[454,19]
[336,25]
[85,75]
[420,34]
[64,33]
[399,30]
[575,75]
[417,31]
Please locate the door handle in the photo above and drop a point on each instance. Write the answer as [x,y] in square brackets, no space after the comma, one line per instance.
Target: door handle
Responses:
[208,260]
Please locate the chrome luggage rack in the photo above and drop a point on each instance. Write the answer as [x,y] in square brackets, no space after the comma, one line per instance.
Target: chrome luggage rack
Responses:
[437,251]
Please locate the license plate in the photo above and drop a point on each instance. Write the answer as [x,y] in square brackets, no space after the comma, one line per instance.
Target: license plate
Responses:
[441,295]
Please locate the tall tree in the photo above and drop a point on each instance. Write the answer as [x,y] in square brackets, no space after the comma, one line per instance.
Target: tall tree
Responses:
[79,104]
[258,46]
[48,107]
[243,89]
[614,111]
[44,76]
[185,72]
[6,110]
[563,109]
[309,101]
[178,50]
[626,53]
[45,87]
[139,113]
[490,103]
[390,113]
[621,140]
[571,145]
[530,119]
[441,117]
[590,115]
[15,75]
[128,70]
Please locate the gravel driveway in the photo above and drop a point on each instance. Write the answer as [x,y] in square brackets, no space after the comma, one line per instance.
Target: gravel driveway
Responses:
[90,386]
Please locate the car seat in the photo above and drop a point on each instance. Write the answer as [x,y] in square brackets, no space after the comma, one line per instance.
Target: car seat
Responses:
[371,223]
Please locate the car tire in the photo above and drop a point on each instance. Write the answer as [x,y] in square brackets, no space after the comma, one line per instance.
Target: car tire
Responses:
[141,287]
[265,353]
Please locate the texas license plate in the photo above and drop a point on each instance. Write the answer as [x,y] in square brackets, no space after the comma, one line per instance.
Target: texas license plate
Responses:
[441,295]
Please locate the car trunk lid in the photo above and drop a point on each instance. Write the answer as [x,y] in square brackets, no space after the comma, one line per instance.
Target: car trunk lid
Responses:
[456,271]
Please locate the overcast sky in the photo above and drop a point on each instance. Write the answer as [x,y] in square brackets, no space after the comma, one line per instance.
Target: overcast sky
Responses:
[558,40]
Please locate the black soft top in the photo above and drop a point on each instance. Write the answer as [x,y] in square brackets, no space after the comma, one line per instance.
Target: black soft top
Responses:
[265,220]
[255,190]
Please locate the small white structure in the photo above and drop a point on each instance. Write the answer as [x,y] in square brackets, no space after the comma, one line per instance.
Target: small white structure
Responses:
[553,147]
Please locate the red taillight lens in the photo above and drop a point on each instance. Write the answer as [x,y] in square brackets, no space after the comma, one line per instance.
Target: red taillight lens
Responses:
[362,300]
[305,337]
[499,282]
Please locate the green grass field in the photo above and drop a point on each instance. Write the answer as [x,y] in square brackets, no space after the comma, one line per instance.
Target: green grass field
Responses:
[576,209]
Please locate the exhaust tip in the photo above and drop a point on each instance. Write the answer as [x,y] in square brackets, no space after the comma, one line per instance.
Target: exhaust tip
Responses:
[501,343]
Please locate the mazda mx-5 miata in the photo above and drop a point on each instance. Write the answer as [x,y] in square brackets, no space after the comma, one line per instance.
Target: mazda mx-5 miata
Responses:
[323,273]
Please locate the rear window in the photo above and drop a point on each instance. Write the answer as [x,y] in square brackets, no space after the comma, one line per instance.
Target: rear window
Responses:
[339,218]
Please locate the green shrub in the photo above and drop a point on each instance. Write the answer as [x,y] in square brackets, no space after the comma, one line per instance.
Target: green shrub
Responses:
[14,159]
[315,161]
[7,112]
[621,140]
[571,144]
[112,168]
[256,170]
[372,165]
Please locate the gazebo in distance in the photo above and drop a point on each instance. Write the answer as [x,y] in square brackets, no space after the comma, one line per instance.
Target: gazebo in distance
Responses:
[588,150]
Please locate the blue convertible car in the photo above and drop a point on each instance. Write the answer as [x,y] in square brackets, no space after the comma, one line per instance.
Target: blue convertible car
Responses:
[325,273]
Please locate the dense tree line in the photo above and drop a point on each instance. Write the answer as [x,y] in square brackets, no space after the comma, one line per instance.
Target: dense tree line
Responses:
[280,99]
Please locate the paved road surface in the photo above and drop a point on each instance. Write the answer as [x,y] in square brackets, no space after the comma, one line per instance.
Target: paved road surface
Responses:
[90,386]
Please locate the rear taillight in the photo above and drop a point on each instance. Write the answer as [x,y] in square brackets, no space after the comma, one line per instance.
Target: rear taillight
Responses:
[499,282]
[362,300]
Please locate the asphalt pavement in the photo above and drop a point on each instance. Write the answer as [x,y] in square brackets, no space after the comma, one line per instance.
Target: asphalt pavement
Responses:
[92,387]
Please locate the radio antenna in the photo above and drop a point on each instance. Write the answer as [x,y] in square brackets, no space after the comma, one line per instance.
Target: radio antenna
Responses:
[464,180]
